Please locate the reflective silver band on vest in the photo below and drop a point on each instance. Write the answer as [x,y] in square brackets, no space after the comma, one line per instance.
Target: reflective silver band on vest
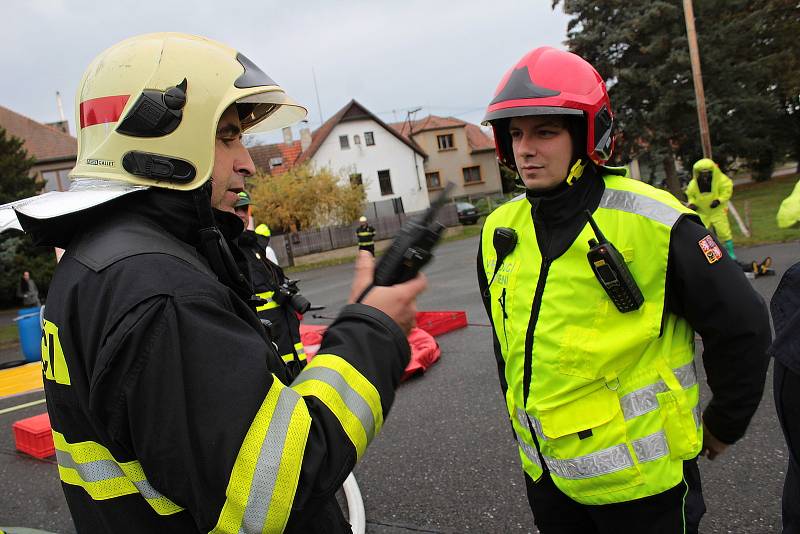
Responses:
[595,464]
[100,470]
[610,460]
[523,417]
[645,206]
[268,463]
[644,400]
[354,402]
[528,450]
[651,447]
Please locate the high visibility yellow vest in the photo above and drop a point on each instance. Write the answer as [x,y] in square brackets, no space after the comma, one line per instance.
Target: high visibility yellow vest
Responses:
[613,398]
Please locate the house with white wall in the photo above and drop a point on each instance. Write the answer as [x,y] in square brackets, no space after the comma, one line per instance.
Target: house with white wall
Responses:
[368,151]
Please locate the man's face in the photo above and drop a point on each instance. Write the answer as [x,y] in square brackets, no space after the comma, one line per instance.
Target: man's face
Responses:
[232,162]
[542,150]
[26,275]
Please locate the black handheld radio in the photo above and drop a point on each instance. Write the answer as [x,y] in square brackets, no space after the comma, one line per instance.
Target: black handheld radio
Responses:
[413,246]
[612,273]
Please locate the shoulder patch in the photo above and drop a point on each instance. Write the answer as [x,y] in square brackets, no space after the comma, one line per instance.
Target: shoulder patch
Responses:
[710,249]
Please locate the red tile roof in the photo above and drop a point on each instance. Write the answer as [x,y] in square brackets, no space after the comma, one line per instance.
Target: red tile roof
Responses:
[43,142]
[478,140]
[262,154]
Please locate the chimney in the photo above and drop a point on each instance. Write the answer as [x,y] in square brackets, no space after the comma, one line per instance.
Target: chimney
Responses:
[305,139]
[287,135]
[60,125]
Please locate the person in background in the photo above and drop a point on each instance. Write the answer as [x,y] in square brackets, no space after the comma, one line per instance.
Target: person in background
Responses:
[27,291]
[785,307]
[366,236]
[265,233]
[708,194]
[600,385]
[789,211]
[280,302]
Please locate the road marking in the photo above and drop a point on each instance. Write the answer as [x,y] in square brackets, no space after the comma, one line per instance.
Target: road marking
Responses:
[22,406]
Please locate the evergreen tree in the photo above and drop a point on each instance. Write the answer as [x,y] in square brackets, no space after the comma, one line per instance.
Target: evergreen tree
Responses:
[17,253]
[15,182]
[641,48]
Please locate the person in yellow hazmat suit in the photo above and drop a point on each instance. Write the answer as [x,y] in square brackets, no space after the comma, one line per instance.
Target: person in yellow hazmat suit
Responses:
[789,211]
[708,194]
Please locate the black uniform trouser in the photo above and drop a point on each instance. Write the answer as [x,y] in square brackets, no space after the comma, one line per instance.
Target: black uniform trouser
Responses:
[786,388]
[674,511]
[369,248]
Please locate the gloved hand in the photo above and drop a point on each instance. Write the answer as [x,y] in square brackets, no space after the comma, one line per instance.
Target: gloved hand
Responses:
[714,203]
[692,207]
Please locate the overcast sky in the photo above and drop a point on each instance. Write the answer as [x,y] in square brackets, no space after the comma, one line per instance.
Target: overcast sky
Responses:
[391,56]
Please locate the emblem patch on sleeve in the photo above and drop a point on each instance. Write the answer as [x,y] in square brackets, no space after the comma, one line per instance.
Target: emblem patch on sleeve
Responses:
[710,249]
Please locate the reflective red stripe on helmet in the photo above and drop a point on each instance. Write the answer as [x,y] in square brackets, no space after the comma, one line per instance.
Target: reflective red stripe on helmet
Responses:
[102,110]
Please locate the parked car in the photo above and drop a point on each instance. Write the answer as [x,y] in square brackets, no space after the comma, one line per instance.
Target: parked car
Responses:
[467,213]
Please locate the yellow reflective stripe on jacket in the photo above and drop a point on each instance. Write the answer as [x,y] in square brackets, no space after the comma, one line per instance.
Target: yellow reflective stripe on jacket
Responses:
[270,304]
[345,391]
[264,479]
[91,466]
[301,353]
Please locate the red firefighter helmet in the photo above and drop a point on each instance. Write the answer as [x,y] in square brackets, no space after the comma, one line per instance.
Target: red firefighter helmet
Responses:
[547,81]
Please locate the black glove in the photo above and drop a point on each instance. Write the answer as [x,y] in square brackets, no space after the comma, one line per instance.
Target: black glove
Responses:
[692,207]
[714,203]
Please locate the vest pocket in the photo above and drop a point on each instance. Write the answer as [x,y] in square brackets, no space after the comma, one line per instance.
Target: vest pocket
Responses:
[586,448]
[678,418]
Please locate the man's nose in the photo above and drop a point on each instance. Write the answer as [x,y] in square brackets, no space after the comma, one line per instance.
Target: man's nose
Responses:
[243,163]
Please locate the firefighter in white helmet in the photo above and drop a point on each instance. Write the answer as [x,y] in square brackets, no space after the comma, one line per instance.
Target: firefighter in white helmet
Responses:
[171,410]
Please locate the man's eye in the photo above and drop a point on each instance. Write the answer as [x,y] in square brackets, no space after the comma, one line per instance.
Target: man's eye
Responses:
[515,134]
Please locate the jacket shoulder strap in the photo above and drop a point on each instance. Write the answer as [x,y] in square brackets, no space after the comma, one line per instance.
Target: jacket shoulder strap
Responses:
[124,237]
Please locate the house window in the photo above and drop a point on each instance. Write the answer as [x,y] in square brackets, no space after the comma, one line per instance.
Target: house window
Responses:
[344,142]
[434,182]
[356,139]
[275,162]
[355,179]
[385,181]
[369,138]
[57,180]
[472,175]
[445,141]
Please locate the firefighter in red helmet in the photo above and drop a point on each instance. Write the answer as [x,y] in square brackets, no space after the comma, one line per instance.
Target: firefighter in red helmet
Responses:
[595,285]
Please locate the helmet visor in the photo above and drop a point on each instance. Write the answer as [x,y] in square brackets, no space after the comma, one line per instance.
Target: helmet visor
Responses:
[270,110]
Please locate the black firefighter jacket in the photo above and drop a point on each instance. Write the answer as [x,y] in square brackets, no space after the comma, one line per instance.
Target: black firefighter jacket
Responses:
[171,410]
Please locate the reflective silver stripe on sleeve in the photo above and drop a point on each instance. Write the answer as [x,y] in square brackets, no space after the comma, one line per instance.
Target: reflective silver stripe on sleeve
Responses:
[269,461]
[100,470]
[644,400]
[645,206]
[354,402]
[651,447]
[90,471]
[595,464]
[696,414]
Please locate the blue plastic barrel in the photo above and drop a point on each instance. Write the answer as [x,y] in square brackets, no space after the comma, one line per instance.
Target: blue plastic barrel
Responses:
[30,333]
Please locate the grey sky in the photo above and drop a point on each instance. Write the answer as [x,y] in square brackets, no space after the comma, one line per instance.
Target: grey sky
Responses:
[445,57]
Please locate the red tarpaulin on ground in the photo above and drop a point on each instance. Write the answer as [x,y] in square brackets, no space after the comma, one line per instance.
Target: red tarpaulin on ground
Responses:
[424,349]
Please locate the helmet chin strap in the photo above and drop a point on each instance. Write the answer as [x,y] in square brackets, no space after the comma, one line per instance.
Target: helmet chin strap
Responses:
[214,247]
[576,171]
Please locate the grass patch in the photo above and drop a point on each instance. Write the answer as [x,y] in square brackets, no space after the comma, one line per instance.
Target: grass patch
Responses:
[9,336]
[762,201]
[320,264]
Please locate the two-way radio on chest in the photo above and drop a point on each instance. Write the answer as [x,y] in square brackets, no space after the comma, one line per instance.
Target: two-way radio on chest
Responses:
[610,270]
[606,263]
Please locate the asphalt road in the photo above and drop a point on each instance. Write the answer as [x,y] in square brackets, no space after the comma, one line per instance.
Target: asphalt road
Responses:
[445,460]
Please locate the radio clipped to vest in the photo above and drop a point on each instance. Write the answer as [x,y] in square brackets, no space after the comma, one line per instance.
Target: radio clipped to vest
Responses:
[612,273]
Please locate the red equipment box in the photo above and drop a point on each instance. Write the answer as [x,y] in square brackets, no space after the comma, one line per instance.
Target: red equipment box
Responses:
[33,436]
[440,322]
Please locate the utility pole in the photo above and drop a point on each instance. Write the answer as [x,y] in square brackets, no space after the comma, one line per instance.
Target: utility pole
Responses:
[410,121]
[699,94]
